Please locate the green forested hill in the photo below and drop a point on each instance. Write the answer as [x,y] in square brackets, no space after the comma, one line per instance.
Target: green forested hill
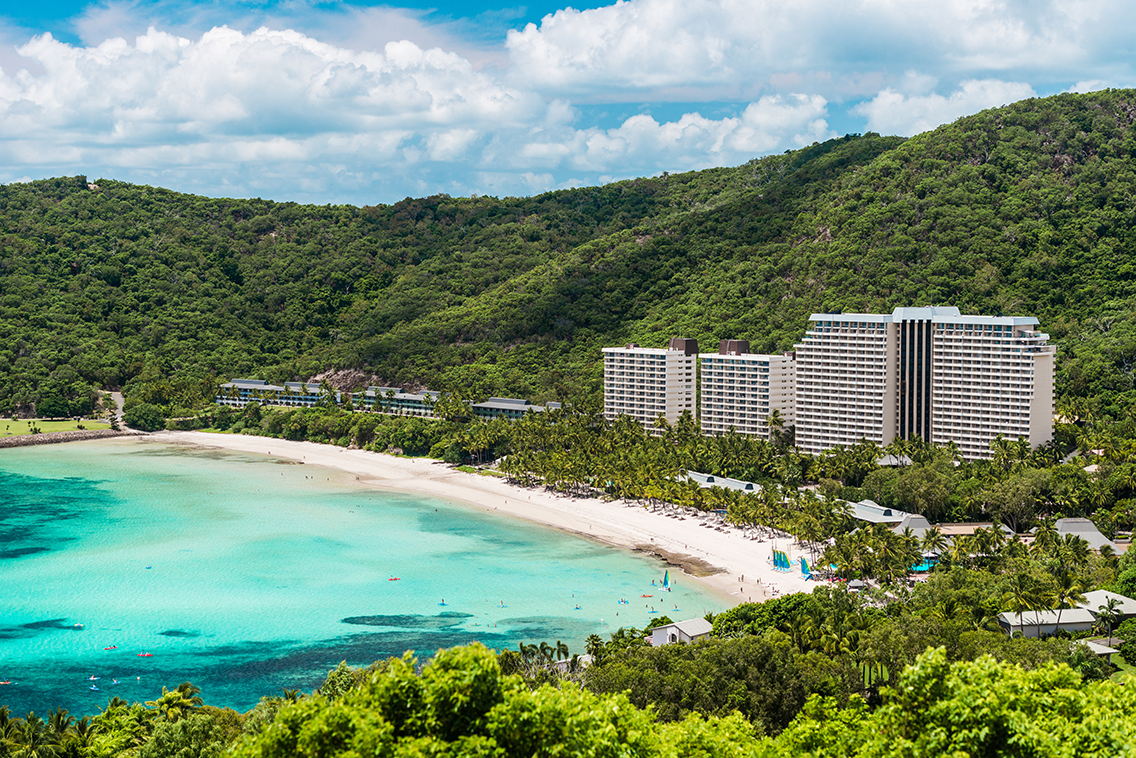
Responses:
[1027,209]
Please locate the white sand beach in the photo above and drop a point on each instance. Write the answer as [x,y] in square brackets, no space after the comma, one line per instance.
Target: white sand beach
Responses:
[737,568]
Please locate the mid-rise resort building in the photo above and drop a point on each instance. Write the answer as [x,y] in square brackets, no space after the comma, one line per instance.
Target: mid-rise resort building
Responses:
[927,371]
[741,389]
[645,383]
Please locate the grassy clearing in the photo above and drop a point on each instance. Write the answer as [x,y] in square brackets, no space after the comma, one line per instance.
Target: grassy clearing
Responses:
[1127,672]
[24,426]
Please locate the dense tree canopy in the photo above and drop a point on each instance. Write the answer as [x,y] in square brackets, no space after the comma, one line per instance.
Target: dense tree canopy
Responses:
[1019,210]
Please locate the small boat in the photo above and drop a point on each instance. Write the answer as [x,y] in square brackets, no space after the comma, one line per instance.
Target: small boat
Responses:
[6,681]
[667,580]
[93,687]
[145,655]
[92,678]
[78,626]
[394,579]
[646,596]
[112,647]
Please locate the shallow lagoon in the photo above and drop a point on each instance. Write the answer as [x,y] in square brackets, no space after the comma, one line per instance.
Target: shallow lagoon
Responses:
[247,575]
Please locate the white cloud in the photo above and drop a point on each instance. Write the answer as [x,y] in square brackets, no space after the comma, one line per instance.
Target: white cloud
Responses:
[636,146]
[226,84]
[891,112]
[376,103]
[834,45]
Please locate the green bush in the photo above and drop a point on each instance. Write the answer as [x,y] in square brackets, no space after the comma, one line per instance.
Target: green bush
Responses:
[145,416]
[1127,632]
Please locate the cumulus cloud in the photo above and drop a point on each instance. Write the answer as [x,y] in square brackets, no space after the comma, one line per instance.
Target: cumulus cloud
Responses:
[691,141]
[892,112]
[637,45]
[331,101]
[264,95]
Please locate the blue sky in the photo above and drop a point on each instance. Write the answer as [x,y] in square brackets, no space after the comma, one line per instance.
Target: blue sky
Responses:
[367,103]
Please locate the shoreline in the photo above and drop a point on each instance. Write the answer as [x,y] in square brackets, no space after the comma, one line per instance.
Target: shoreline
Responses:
[726,562]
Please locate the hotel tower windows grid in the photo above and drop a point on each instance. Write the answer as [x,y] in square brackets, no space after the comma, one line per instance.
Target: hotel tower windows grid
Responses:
[923,371]
[740,389]
[644,382]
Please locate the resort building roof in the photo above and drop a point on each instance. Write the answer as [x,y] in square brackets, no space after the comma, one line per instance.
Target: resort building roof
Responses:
[874,513]
[681,631]
[1097,648]
[1084,529]
[1044,623]
[1126,606]
[725,482]
[916,523]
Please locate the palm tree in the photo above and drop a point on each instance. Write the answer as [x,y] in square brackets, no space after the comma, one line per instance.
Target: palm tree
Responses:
[1045,537]
[1068,593]
[178,703]
[775,423]
[32,739]
[8,728]
[1021,595]
[595,647]
[934,542]
[562,651]
[1108,614]
[114,702]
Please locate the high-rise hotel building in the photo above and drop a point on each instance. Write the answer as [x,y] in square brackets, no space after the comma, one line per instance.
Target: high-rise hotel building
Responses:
[644,382]
[740,389]
[923,371]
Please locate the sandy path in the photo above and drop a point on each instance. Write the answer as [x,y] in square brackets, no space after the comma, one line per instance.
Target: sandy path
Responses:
[737,568]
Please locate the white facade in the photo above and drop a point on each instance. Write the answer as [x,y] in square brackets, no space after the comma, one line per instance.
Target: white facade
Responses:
[923,371]
[991,376]
[688,631]
[645,383]
[740,389]
[846,382]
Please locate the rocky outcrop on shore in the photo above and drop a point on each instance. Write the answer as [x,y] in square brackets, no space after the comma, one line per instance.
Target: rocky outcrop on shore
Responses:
[51,438]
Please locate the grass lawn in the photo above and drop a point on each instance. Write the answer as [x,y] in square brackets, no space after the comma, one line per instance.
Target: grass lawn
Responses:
[1127,672]
[15,428]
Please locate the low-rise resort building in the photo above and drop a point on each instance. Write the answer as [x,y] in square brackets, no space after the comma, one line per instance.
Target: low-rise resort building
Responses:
[929,372]
[240,392]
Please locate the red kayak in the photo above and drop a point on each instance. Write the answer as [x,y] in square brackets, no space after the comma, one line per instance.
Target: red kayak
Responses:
[145,655]
[112,647]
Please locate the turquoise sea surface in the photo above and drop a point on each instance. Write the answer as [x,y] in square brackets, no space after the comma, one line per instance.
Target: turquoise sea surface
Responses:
[247,575]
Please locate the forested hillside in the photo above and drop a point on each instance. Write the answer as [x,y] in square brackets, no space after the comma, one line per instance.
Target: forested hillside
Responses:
[1026,209]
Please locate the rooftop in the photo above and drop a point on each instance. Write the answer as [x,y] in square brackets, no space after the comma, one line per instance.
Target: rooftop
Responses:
[1084,529]
[874,513]
[690,627]
[709,480]
[1097,598]
[1069,616]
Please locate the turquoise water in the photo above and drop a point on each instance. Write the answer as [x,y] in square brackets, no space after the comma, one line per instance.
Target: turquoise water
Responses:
[247,575]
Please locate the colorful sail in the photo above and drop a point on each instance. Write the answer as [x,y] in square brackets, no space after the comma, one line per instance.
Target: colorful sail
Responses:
[666,580]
